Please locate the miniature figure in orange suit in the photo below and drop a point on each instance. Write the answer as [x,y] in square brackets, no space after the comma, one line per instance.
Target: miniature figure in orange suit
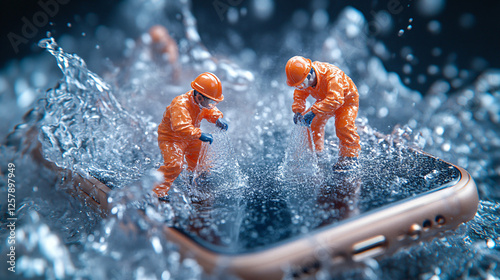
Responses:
[336,96]
[166,45]
[179,133]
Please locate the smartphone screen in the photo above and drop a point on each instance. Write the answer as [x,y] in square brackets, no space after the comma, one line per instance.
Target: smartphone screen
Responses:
[275,211]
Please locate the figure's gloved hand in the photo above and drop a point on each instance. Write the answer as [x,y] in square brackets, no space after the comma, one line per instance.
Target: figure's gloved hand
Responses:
[221,124]
[297,118]
[308,118]
[206,137]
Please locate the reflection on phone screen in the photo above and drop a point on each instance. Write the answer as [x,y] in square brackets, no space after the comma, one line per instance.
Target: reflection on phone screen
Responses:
[273,210]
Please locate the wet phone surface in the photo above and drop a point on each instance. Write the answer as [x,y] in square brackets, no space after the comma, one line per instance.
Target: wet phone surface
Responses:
[278,211]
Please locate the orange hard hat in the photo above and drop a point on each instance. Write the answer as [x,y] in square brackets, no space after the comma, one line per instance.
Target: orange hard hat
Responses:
[209,86]
[158,33]
[297,69]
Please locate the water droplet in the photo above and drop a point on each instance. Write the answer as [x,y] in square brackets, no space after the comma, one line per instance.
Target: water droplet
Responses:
[97,47]
[232,15]
[439,130]
[409,27]
[320,19]
[407,69]
[450,71]
[434,26]
[436,51]
[401,32]
[155,242]
[433,69]
[383,112]
[69,24]
[446,147]
[430,7]
[467,20]
[432,175]
[490,243]
[264,9]
[84,34]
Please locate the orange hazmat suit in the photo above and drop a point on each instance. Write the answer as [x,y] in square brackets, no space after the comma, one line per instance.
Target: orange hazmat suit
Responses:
[336,96]
[178,137]
[159,35]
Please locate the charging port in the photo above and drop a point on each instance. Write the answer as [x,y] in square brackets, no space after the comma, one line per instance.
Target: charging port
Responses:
[369,248]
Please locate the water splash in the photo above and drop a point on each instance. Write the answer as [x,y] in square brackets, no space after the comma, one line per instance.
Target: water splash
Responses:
[140,222]
[233,76]
[41,252]
[301,162]
[83,120]
[219,159]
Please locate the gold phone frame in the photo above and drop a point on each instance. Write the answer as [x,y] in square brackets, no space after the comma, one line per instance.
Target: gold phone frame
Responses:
[372,235]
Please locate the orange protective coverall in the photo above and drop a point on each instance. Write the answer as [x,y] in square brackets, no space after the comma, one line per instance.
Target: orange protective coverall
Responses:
[178,137]
[336,95]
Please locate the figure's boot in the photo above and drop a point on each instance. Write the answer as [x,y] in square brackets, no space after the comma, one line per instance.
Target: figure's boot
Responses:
[161,191]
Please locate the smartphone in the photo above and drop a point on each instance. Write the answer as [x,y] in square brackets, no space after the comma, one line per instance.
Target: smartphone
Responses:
[276,229]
